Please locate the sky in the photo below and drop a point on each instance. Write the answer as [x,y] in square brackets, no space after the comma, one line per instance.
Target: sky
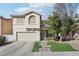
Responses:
[7,9]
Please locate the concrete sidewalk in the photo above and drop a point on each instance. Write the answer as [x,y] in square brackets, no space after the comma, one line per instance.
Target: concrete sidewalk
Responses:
[73,53]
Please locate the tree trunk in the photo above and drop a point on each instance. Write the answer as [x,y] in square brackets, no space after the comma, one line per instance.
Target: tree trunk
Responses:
[60,37]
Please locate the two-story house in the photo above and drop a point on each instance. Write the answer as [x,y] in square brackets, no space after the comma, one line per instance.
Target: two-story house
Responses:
[27,27]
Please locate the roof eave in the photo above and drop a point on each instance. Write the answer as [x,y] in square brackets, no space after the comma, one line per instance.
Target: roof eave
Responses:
[24,14]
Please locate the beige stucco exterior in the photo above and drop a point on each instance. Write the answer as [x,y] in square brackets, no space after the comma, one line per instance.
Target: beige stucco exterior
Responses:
[20,30]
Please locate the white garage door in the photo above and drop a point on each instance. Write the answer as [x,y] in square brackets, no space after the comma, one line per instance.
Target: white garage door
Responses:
[28,36]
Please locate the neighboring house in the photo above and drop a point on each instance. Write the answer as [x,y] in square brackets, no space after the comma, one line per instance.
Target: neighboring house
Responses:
[26,27]
[6,26]
[75,31]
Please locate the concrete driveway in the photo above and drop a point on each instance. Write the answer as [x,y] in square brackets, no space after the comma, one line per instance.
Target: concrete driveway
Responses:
[19,48]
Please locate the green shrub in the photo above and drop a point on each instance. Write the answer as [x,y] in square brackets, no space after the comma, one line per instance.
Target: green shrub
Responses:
[49,38]
[36,47]
[2,39]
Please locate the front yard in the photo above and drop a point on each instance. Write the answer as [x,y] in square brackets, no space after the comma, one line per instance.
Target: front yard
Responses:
[54,46]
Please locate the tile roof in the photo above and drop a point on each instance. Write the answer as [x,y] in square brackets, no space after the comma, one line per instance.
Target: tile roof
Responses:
[44,26]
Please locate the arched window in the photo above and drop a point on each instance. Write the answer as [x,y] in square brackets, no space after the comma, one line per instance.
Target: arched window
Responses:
[32,19]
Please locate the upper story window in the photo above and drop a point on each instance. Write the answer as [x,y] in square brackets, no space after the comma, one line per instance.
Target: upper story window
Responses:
[32,19]
[19,20]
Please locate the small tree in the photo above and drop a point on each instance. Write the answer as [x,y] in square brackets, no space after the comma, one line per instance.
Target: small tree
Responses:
[54,23]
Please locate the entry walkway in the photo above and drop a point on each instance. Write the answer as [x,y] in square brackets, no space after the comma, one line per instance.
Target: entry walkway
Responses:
[45,47]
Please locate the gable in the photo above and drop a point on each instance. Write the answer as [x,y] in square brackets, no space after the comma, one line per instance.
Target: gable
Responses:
[23,15]
[31,13]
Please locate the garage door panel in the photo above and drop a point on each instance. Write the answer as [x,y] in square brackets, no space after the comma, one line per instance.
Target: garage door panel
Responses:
[27,36]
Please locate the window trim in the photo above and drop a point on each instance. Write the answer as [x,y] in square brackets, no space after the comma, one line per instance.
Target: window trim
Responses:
[29,20]
[21,22]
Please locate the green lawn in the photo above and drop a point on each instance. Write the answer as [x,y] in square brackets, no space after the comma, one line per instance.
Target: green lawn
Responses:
[36,47]
[60,46]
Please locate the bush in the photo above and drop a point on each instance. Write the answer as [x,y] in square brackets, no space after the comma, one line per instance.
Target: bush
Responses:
[49,38]
[57,38]
[36,47]
[2,39]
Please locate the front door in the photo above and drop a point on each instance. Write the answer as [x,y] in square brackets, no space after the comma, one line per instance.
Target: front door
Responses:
[43,35]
